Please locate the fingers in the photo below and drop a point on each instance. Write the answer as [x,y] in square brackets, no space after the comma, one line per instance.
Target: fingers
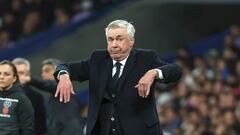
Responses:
[64,91]
[72,91]
[143,90]
[57,92]
[144,84]
[66,96]
[61,95]
[148,90]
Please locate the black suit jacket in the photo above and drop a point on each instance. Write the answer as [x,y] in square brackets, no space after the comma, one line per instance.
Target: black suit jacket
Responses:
[63,118]
[137,115]
[39,109]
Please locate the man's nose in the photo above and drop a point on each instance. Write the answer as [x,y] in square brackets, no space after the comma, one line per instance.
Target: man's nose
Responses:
[114,43]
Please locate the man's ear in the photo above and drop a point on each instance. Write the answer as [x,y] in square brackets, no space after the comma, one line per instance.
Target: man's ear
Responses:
[132,40]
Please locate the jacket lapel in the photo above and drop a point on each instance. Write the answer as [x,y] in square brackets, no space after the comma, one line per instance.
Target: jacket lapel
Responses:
[105,70]
[131,61]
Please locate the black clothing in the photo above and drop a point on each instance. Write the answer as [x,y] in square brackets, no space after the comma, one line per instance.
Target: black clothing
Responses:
[37,101]
[62,118]
[17,114]
[134,114]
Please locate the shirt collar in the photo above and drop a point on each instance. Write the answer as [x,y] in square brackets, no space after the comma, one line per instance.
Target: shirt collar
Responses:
[123,62]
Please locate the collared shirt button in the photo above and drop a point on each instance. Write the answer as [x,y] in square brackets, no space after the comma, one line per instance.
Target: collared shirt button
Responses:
[113,95]
[112,119]
[113,130]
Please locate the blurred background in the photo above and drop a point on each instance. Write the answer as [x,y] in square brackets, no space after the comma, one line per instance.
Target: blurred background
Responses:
[202,36]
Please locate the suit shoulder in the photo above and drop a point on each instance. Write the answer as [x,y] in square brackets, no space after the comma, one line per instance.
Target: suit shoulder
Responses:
[99,53]
[145,52]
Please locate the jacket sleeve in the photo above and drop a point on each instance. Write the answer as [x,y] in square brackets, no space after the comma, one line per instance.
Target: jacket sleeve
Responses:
[25,116]
[171,72]
[78,71]
[44,85]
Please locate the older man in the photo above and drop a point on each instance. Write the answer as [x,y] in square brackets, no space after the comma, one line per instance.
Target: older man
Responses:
[24,71]
[120,78]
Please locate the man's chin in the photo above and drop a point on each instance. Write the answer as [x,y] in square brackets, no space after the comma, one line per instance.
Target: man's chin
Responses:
[115,57]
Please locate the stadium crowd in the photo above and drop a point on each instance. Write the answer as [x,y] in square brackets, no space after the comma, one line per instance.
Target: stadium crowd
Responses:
[20,19]
[207,99]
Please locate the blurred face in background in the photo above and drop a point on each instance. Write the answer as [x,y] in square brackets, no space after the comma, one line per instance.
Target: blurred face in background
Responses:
[47,72]
[23,73]
[7,77]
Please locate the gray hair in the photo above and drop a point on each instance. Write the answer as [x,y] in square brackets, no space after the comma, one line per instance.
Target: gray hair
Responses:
[121,24]
[51,61]
[18,61]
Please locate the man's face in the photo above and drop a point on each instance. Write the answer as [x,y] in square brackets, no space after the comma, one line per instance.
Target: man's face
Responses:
[23,73]
[47,72]
[119,43]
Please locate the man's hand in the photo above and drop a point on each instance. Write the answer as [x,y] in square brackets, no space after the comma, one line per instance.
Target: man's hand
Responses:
[145,83]
[64,88]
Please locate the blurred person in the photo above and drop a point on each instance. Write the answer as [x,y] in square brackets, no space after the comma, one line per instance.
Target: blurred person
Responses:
[180,95]
[227,100]
[237,69]
[222,71]
[207,87]
[18,8]
[5,39]
[211,63]
[61,16]
[170,119]
[62,119]
[221,129]
[237,75]
[229,120]
[215,115]
[32,24]
[184,55]
[177,131]
[188,79]
[192,124]
[230,57]
[10,25]
[229,43]
[24,71]
[194,99]
[17,5]
[235,33]
[199,67]
[212,100]
[17,114]
[237,116]
[82,9]
[203,110]
[120,78]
